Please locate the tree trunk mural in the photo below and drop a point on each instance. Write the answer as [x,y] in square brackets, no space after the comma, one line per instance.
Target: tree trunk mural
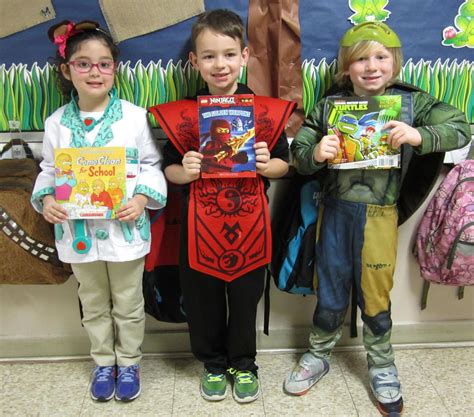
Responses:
[274,67]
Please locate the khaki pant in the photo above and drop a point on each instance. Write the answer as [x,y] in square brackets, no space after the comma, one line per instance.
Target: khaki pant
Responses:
[113,309]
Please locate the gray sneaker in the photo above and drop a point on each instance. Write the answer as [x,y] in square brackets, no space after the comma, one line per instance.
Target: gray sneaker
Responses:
[309,370]
[385,386]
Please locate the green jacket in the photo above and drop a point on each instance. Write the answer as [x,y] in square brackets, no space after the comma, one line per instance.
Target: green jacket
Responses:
[441,126]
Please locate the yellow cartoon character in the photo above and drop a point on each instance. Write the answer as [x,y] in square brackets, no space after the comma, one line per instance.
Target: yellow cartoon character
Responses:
[82,197]
[115,192]
[100,197]
[64,179]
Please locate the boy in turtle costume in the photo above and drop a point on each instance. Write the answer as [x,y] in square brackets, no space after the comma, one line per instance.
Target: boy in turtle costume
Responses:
[357,240]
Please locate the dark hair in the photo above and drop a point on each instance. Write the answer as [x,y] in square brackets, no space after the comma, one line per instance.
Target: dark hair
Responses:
[222,21]
[72,45]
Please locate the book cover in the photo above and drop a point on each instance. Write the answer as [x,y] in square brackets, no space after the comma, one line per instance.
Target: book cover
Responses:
[227,136]
[358,123]
[90,182]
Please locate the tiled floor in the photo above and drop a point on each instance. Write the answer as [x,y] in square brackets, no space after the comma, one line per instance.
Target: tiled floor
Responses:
[436,382]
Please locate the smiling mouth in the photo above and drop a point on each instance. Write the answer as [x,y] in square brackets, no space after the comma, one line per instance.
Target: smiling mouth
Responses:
[371,78]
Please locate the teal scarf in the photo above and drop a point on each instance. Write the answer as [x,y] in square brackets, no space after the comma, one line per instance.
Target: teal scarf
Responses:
[72,120]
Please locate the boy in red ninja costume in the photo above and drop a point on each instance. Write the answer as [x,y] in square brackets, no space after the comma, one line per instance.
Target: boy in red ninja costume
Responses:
[225,241]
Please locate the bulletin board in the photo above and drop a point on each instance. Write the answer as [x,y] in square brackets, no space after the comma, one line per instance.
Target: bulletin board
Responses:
[437,38]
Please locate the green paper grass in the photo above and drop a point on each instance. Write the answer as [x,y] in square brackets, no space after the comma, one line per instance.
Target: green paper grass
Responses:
[31,95]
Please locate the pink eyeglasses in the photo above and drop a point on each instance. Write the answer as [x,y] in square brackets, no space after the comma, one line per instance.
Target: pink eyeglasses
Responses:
[83,67]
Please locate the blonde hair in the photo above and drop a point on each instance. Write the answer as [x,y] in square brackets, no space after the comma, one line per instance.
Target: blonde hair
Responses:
[349,54]
[63,157]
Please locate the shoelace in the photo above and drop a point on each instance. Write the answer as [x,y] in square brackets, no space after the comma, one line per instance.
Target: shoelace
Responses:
[215,377]
[104,373]
[243,377]
[126,374]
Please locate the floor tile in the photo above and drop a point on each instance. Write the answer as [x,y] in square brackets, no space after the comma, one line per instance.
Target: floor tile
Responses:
[435,382]
[451,372]
[62,396]
[45,371]
[419,395]
[43,388]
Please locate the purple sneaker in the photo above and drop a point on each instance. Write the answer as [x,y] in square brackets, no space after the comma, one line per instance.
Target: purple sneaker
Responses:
[103,383]
[128,383]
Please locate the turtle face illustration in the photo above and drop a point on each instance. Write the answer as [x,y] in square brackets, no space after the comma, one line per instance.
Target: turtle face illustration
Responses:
[348,124]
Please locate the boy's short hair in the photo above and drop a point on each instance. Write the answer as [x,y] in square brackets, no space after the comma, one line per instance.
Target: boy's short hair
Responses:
[221,21]
[349,54]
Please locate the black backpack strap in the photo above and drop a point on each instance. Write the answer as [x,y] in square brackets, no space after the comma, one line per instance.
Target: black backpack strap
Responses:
[266,308]
[406,117]
[353,310]
[424,294]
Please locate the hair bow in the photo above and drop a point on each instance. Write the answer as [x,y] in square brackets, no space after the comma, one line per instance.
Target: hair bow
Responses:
[61,32]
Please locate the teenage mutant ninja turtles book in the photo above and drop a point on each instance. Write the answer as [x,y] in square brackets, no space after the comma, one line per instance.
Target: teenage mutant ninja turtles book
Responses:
[359,123]
[90,183]
[227,136]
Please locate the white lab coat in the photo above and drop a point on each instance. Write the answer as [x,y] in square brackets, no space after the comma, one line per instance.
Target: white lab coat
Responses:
[132,131]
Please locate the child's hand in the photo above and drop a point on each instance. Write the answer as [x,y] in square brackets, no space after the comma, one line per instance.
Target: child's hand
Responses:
[401,133]
[52,211]
[133,209]
[326,149]
[262,157]
[192,161]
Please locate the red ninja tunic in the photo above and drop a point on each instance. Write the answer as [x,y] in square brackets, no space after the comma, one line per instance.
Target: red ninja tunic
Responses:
[228,218]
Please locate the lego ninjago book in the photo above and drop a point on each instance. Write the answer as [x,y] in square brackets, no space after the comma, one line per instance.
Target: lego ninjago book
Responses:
[359,123]
[227,136]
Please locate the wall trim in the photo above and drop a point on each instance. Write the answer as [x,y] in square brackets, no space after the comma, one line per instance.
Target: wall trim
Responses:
[176,343]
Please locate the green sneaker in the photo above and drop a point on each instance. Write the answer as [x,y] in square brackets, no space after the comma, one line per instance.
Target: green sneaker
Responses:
[213,386]
[246,386]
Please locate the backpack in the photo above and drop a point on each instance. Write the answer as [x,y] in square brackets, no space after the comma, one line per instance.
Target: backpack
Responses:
[294,236]
[294,232]
[27,248]
[444,245]
[161,287]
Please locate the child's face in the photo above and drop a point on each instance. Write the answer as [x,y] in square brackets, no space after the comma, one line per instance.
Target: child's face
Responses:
[98,186]
[112,184]
[83,187]
[64,162]
[219,59]
[92,86]
[371,73]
